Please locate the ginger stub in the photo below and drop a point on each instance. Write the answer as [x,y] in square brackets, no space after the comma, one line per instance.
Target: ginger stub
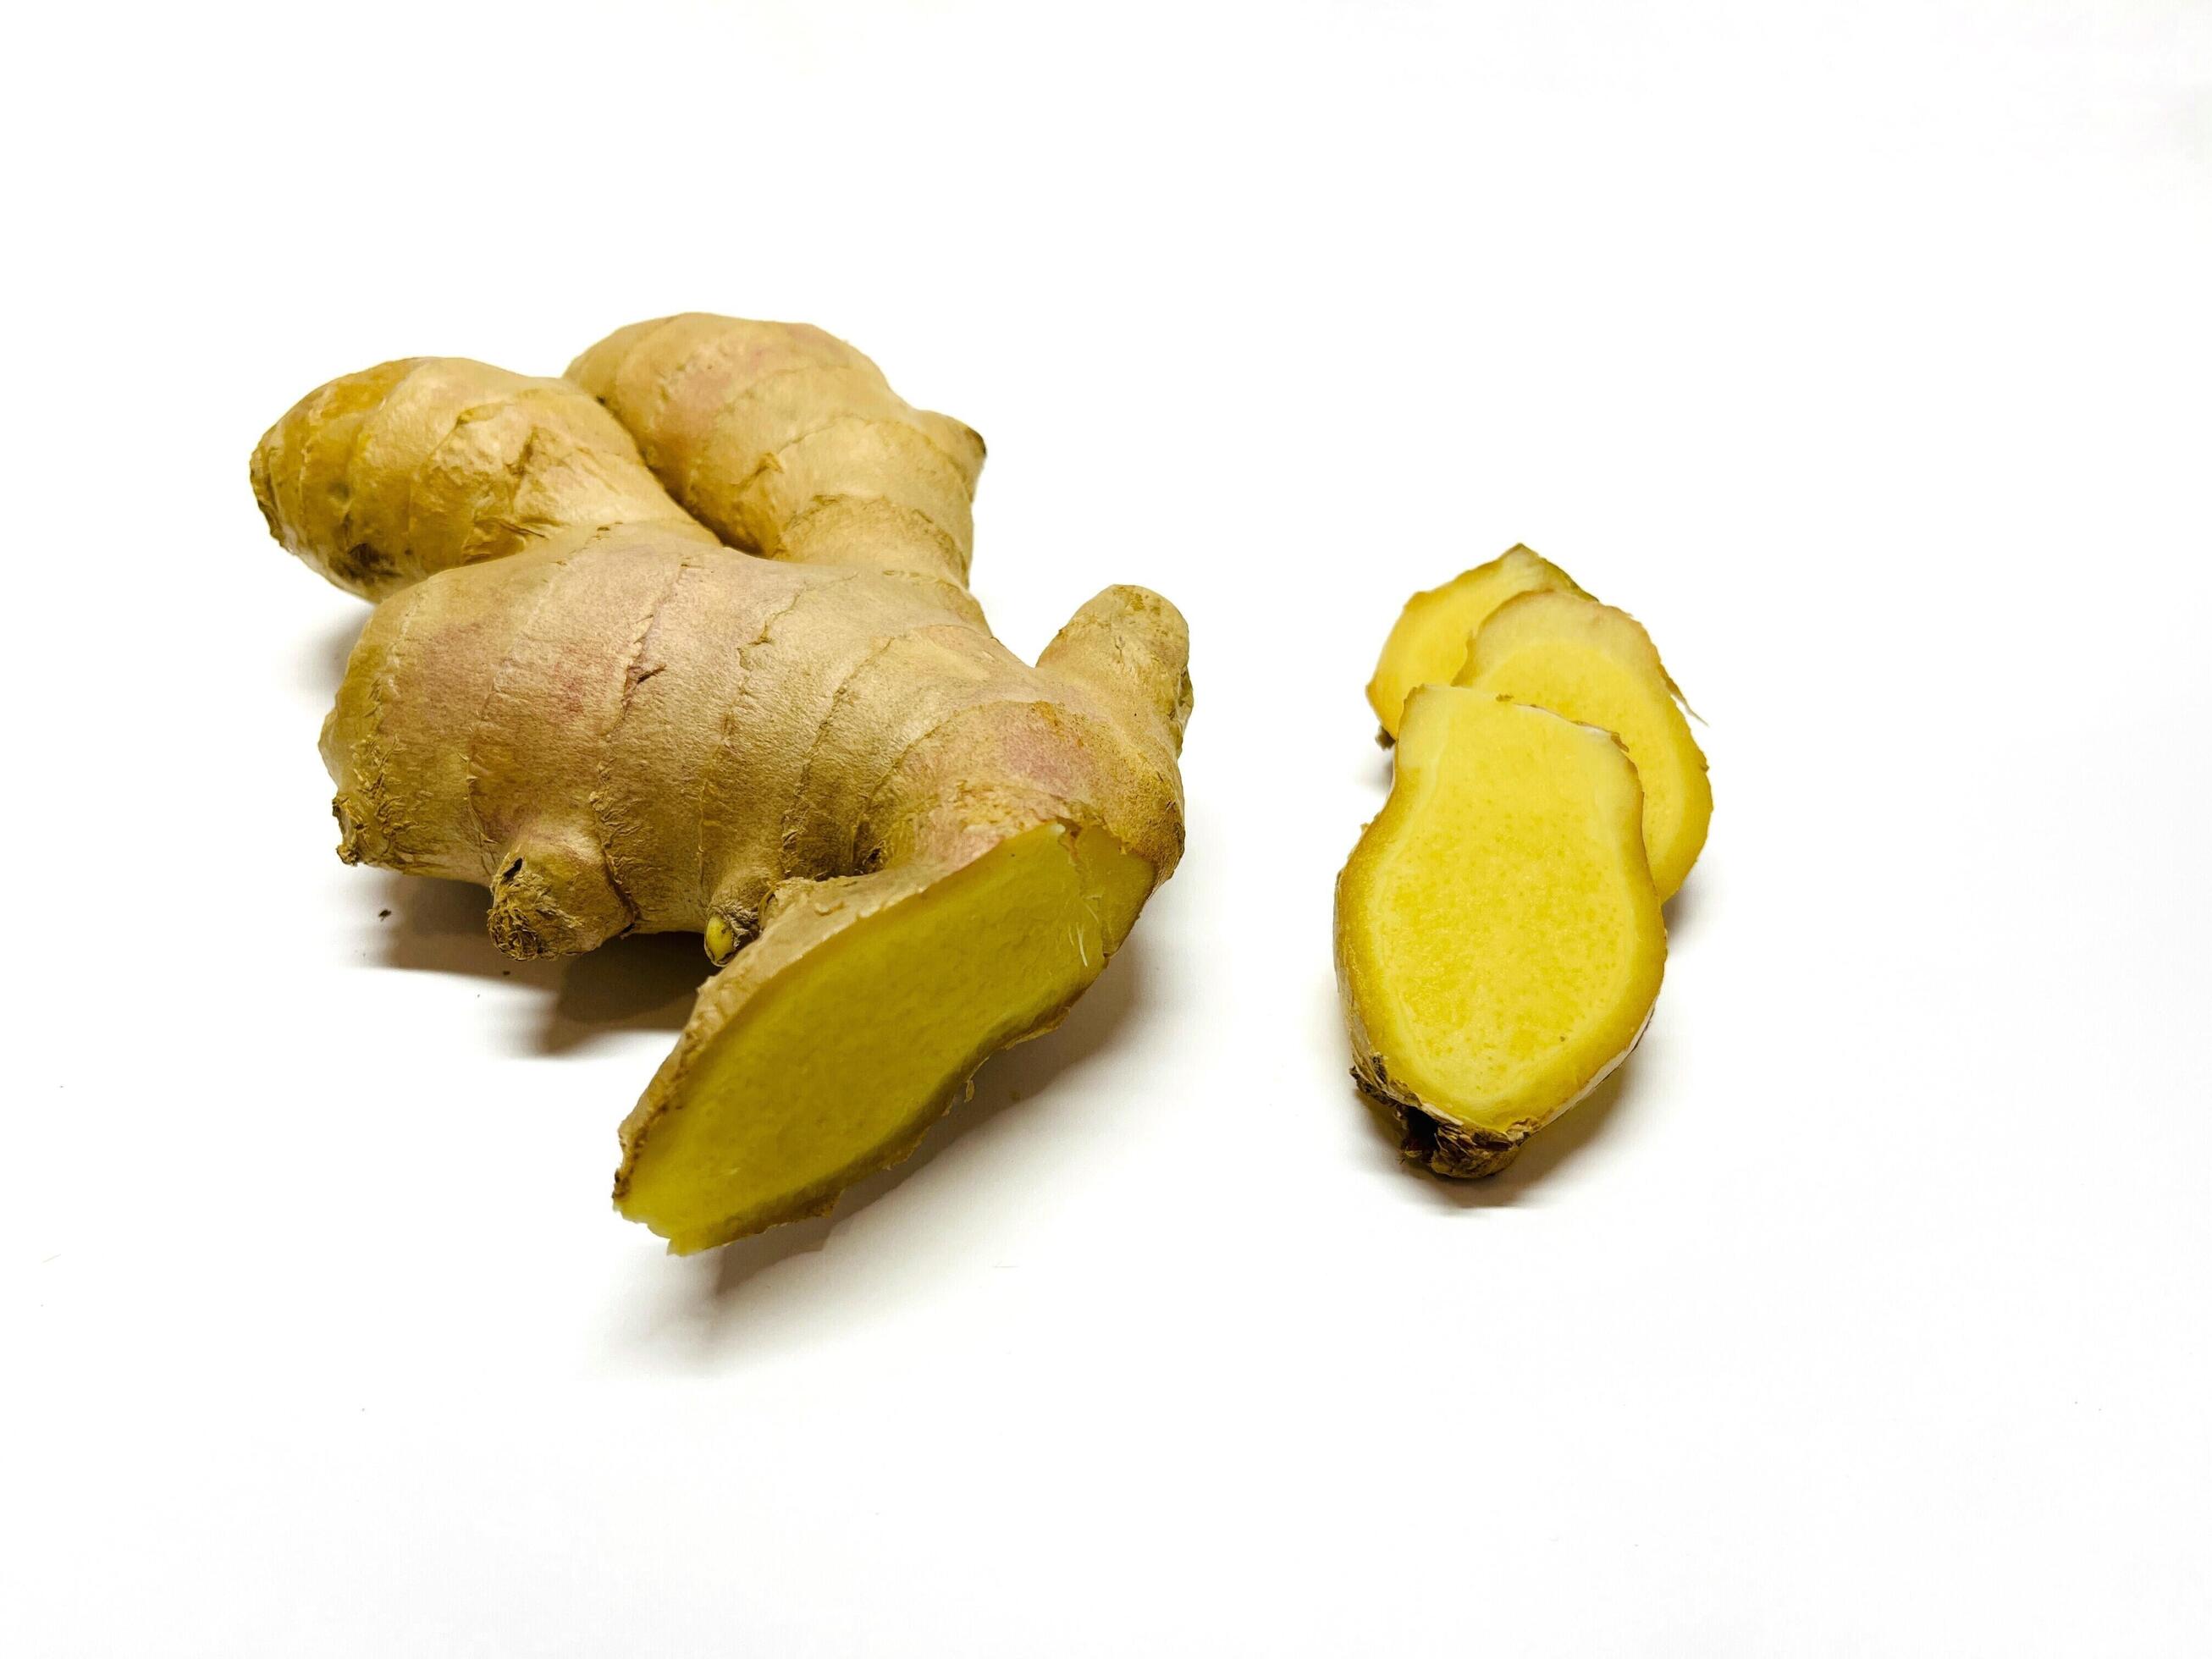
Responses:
[1499,938]
[683,642]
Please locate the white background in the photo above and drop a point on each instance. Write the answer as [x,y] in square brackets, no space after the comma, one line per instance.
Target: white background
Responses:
[1862,350]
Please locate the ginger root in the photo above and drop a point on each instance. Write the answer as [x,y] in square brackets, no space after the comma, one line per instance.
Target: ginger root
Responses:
[1522,627]
[1591,663]
[1428,643]
[1498,936]
[683,642]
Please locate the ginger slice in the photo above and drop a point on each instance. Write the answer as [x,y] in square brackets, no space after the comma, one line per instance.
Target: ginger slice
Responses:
[1567,652]
[856,1019]
[1499,939]
[1429,641]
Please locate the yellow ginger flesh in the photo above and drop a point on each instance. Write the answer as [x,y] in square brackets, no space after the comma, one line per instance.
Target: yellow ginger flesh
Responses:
[1591,663]
[834,1057]
[1499,938]
[1428,643]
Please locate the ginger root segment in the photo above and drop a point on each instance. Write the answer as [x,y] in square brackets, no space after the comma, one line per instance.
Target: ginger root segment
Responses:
[788,443]
[782,723]
[1428,643]
[626,732]
[1596,664]
[858,1017]
[1499,938]
[383,478]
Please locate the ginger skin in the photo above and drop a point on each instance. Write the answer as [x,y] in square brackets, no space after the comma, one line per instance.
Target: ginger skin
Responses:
[683,642]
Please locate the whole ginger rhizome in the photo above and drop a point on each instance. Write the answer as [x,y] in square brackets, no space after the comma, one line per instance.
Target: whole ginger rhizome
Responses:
[682,641]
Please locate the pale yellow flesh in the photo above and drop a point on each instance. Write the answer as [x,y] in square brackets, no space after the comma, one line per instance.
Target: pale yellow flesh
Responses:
[1499,942]
[833,1066]
[1596,664]
[1428,643]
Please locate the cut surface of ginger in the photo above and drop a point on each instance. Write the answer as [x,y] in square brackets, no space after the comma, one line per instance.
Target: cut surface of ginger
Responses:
[856,1020]
[1428,643]
[1499,939]
[1567,652]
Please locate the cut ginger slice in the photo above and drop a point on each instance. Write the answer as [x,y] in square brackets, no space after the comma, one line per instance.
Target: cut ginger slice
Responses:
[1567,652]
[1429,641]
[1499,939]
[858,1015]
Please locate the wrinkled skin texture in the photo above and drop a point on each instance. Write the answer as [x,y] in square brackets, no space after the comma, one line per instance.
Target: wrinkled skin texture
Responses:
[668,641]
